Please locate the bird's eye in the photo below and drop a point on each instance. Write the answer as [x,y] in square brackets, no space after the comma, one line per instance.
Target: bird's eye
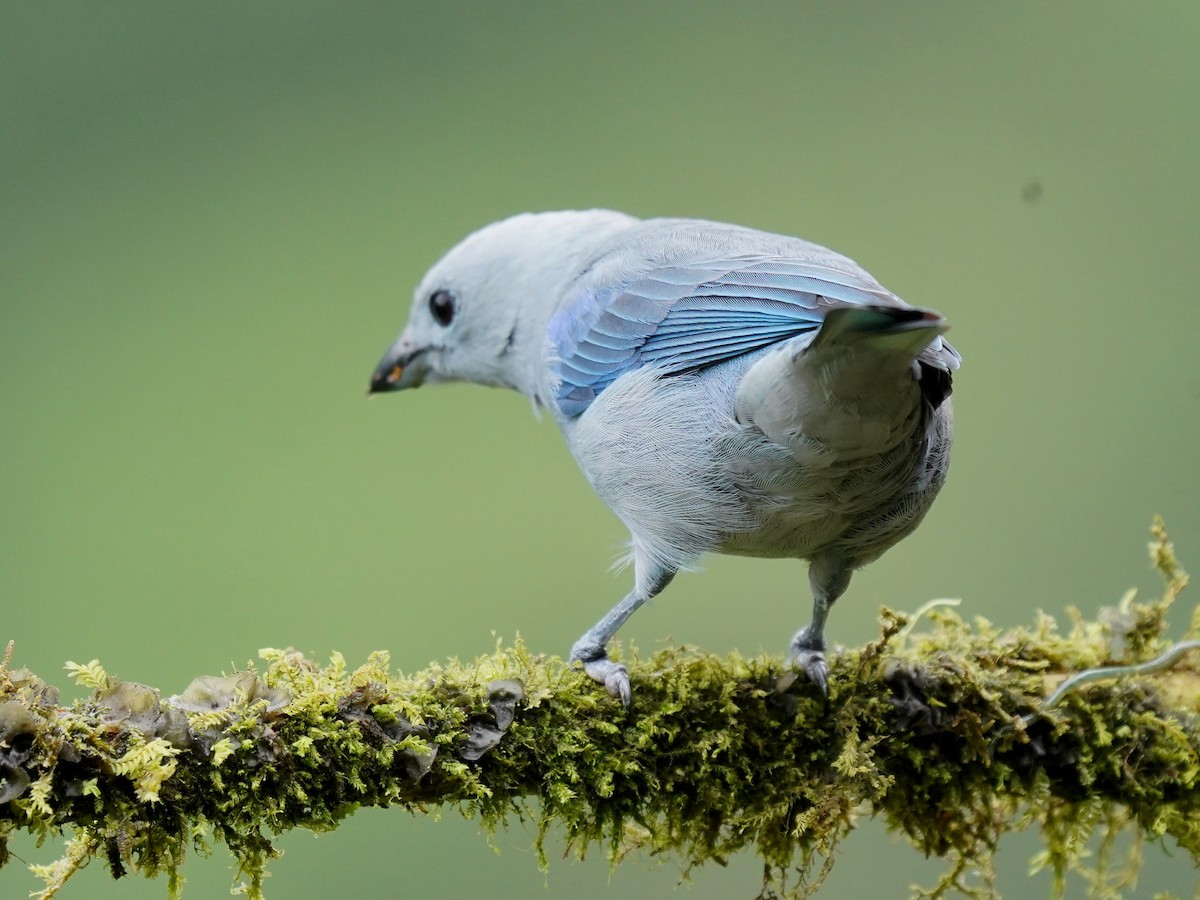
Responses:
[441,306]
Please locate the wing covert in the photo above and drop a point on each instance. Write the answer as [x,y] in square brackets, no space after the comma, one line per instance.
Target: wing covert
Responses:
[690,316]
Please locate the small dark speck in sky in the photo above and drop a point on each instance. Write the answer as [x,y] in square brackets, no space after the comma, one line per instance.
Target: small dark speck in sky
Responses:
[1032,190]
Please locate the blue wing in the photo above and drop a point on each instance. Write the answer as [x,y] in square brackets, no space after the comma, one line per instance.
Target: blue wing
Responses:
[686,317]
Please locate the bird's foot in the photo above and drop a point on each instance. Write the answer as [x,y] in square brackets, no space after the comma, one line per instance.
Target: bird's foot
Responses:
[808,657]
[598,667]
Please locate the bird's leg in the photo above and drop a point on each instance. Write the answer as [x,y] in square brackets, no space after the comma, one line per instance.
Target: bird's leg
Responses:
[591,648]
[829,579]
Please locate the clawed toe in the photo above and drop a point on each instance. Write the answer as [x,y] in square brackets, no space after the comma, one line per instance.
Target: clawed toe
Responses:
[613,675]
[598,667]
[811,664]
[808,658]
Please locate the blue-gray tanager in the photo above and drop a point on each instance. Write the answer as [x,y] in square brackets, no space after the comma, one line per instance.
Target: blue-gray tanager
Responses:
[723,389]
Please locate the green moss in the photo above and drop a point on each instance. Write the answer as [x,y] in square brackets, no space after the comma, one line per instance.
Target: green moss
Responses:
[924,728]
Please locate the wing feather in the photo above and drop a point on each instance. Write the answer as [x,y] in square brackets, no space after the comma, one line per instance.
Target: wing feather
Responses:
[685,317]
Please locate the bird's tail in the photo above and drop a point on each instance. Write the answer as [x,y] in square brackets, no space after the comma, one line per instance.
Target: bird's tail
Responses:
[901,331]
[855,388]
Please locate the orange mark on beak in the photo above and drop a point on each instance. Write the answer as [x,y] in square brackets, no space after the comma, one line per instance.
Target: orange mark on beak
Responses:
[394,375]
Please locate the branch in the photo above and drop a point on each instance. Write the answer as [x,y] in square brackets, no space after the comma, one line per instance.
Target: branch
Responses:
[715,755]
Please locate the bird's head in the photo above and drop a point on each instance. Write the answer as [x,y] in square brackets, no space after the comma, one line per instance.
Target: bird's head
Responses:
[480,313]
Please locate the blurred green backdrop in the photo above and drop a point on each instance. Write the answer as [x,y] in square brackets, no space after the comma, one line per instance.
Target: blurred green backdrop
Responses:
[211,219]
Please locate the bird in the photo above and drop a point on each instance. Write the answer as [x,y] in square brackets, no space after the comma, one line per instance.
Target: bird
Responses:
[723,389]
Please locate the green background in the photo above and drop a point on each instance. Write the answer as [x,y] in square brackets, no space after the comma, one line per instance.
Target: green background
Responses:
[211,219]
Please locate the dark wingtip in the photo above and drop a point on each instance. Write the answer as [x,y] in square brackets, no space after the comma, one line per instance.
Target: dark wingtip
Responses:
[936,384]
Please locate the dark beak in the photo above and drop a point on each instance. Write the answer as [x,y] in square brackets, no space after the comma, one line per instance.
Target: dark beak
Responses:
[386,378]
[396,370]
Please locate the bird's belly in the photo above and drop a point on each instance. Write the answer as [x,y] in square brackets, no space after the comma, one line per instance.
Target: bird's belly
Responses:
[686,478]
[856,509]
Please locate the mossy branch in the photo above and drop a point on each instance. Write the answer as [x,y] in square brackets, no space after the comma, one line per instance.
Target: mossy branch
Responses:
[924,728]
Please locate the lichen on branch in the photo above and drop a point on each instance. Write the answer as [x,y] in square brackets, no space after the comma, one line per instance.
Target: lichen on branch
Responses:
[937,727]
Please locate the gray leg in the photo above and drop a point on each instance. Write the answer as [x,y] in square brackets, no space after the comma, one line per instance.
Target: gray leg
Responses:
[590,649]
[829,579]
